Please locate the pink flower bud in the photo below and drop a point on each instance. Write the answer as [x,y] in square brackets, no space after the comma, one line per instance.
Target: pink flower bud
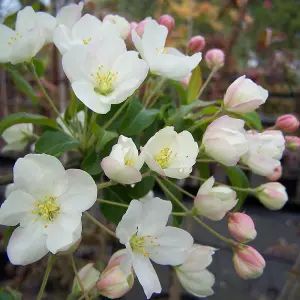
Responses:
[241,227]
[287,123]
[167,21]
[248,263]
[292,142]
[215,58]
[140,27]
[196,44]
[276,174]
[113,282]
[186,80]
[272,195]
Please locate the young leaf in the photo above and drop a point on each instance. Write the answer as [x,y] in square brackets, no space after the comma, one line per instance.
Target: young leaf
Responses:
[55,143]
[194,85]
[105,136]
[91,163]
[39,67]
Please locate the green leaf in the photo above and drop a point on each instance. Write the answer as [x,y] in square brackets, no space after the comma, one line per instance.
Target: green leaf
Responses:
[91,163]
[105,136]
[5,296]
[194,85]
[137,118]
[252,120]
[22,117]
[22,85]
[39,67]
[203,169]
[55,143]
[238,178]
[142,188]
[182,93]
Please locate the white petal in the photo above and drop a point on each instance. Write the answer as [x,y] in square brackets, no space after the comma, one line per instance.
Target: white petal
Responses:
[48,23]
[155,215]
[146,275]
[9,189]
[81,192]
[26,20]
[69,15]
[17,146]
[75,239]
[27,245]
[40,175]
[173,246]
[206,186]
[15,208]
[5,49]
[63,40]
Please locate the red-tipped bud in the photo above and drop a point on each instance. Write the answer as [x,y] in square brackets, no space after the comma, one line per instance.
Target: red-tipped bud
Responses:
[215,58]
[292,143]
[196,44]
[167,21]
[287,123]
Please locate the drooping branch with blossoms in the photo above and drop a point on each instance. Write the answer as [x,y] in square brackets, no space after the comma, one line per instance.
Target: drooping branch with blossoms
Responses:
[124,133]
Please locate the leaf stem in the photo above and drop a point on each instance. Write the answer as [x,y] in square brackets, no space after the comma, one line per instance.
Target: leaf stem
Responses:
[211,74]
[118,112]
[104,185]
[179,188]
[158,86]
[111,202]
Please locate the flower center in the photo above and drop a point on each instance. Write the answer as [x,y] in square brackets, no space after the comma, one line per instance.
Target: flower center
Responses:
[14,38]
[161,50]
[129,162]
[87,41]
[163,158]
[139,244]
[105,80]
[47,209]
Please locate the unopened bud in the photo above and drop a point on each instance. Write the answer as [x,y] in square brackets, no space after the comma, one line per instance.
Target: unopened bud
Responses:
[287,123]
[292,143]
[196,44]
[241,227]
[215,58]
[167,21]
[141,26]
[276,174]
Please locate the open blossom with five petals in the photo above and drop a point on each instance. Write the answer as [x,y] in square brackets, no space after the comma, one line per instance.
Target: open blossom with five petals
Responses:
[17,137]
[224,140]
[47,202]
[214,202]
[265,151]
[244,95]
[124,162]
[121,24]
[193,275]
[144,232]
[164,61]
[88,28]
[23,43]
[170,153]
[104,72]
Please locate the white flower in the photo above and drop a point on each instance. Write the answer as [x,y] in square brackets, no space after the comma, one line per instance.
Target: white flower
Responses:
[224,140]
[144,232]
[265,151]
[88,28]
[23,43]
[170,153]
[147,197]
[47,202]
[193,275]
[167,62]
[9,189]
[104,73]
[79,117]
[123,163]
[121,24]
[214,202]
[244,95]
[17,137]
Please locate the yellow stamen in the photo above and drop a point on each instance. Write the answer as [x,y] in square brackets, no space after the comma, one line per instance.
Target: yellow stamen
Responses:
[87,41]
[105,80]
[163,158]
[140,243]
[161,50]
[47,209]
[14,38]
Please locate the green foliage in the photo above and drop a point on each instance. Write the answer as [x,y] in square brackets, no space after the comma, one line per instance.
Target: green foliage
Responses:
[23,117]
[252,120]
[55,143]
[91,163]
[203,169]
[194,85]
[39,67]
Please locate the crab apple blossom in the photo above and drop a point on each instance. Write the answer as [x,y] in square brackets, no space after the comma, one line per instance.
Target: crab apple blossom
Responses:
[241,227]
[23,43]
[272,195]
[292,143]
[144,232]
[47,202]
[287,123]
[167,21]
[139,29]
[215,58]
[164,61]
[87,29]
[122,25]
[196,43]
[170,153]
[214,202]
[244,96]
[124,162]
[17,137]
[265,151]
[193,275]
[114,283]
[104,73]
[224,140]
[248,263]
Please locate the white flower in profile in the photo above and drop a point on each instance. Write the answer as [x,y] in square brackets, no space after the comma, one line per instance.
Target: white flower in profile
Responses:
[170,153]
[164,61]
[124,162]
[88,28]
[214,202]
[104,73]
[23,43]
[121,24]
[47,202]
[224,140]
[193,275]
[79,116]
[17,137]
[144,232]
[265,151]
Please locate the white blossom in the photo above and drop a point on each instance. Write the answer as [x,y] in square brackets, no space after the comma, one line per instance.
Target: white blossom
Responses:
[120,23]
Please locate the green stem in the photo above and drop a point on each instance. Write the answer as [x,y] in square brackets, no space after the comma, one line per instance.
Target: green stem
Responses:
[118,112]
[50,263]
[78,278]
[211,74]
[179,214]
[179,188]
[155,90]
[205,120]
[111,202]
[99,224]
[104,185]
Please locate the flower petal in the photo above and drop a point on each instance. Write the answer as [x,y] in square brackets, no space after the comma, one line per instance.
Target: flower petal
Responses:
[5,49]
[62,39]
[69,14]
[206,186]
